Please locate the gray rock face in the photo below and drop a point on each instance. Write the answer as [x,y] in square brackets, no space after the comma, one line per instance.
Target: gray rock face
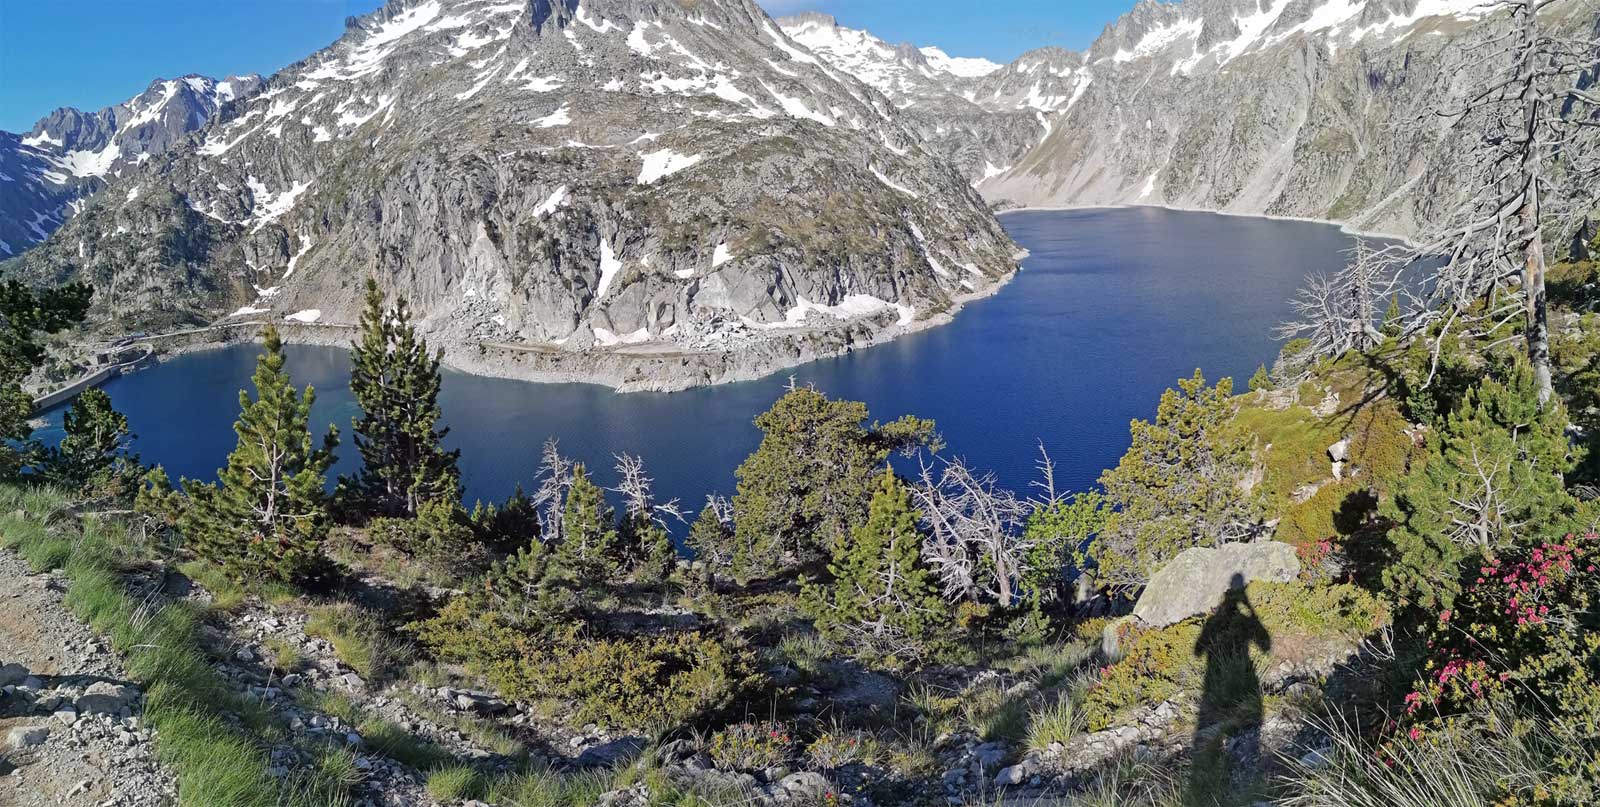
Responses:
[1319,108]
[661,178]
[980,116]
[1307,108]
[47,173]
[1198,579]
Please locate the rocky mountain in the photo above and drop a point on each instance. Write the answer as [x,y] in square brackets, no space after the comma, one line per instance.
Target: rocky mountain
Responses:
[1309,108]
[70,154]
[969,110]
[541,179]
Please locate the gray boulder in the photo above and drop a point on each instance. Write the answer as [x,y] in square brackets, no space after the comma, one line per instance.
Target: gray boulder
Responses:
[1012,776]
[1111,635]
[27,736]
[106,698]
[12,673]
[1196,581]
[806,784]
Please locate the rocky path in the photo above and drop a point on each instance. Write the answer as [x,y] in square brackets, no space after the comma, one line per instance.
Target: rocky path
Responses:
[70,723]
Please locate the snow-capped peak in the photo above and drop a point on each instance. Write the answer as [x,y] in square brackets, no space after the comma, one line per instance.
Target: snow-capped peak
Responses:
[963,66]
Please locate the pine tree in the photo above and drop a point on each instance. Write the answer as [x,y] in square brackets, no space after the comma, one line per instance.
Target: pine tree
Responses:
[711,539]
[808,483]
[1493,477]
[882,597]
[1057,535]
[396,383]
[651,547]
[1178,485]
[1260,381]
[24,314]
[588,552]
[268,512]
[1393,320]
[92,449]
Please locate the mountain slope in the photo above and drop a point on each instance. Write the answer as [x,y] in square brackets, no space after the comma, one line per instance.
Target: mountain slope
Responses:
[961,107]
[70,154]
[1310,108]
[653,177]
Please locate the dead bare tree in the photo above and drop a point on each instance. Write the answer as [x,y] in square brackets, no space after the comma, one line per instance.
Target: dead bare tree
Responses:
[549,500]
[638,493]
[975,542]
[1046,483]
[1534,170]
[1339,314]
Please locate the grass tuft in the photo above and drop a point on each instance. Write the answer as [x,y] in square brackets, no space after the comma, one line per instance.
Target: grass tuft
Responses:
[360,639]
[1057,722]
[454,783]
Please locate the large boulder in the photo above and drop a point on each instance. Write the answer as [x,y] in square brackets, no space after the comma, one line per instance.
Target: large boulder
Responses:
[1196,581]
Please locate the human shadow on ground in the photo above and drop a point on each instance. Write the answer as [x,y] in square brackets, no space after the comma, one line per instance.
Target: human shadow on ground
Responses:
[1230,698]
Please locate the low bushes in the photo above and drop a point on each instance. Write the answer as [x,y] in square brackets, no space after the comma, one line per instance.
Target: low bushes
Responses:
[1521,641]
[630,681]
[1158,664]
[1155,665]
[751,746]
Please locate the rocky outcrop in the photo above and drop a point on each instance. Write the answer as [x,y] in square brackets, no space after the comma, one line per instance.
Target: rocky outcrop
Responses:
[1198,579]
[48,173]
[611,176]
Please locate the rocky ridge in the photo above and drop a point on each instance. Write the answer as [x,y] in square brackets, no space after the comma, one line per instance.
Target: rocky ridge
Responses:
[595,177]
[48,173]
[1321,109]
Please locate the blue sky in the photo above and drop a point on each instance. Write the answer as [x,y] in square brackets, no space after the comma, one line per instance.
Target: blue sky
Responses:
[93,53]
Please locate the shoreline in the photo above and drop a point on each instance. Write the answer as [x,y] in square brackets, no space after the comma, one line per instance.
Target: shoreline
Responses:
[669,371]
[1343,226]
[620,371]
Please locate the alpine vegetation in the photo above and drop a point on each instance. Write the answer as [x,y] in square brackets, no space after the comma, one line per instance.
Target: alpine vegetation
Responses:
[1369,576]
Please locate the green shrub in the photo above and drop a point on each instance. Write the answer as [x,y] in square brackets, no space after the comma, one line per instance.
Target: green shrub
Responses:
[644,682]
[1522,639]
[1155,665]
[1342,611]
[751,746]
[441,533]
[838,747]
[635,682]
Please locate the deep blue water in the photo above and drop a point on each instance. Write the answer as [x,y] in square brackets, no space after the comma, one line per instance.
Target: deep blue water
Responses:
[1111,308]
